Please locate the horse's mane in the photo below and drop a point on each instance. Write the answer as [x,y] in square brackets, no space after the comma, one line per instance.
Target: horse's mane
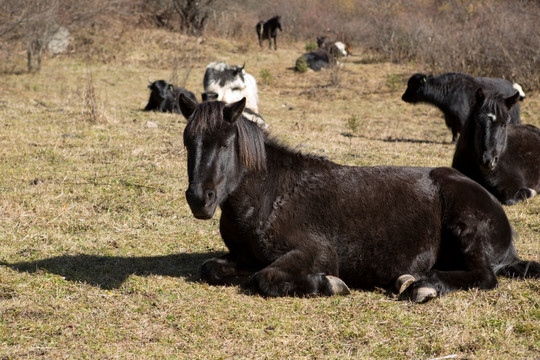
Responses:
[208,119]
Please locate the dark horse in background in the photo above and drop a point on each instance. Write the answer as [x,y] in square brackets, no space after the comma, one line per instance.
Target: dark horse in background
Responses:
[501,156]
[267,30]
[302,225]
[453,94]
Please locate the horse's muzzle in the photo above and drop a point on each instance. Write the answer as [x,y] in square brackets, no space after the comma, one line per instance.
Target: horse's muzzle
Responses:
[202,202]
[489,163]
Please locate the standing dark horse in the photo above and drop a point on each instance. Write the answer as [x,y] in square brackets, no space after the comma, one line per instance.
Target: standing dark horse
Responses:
[453,94]
[300,225]
[502,157]
[267,30]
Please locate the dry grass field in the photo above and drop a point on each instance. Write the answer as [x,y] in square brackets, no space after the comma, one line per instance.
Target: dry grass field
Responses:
[99,253]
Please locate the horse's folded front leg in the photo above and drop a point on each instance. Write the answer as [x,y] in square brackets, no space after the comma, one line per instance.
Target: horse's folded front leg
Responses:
[291,275]
[221,270]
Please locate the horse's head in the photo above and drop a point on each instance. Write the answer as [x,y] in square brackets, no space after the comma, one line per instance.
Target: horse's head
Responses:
[415,88]
[491,117]
[218,151]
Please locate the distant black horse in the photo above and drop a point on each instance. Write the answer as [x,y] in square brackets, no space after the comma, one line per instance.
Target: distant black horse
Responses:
[164,96]
[502,157]
[301,225]
[267,30]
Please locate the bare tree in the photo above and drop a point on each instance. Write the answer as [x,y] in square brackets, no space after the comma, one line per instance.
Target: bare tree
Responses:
[30,21]
[194,15]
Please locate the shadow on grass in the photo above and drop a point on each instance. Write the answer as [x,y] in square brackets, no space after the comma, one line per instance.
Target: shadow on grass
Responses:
[392,139]
[110,272]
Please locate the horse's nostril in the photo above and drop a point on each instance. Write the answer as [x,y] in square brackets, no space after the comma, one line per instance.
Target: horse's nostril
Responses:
[210,196]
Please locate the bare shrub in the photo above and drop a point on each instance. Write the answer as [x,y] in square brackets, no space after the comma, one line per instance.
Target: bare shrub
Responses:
[193,15]
[92,112]
[491,38]
[30,21]
[334,75]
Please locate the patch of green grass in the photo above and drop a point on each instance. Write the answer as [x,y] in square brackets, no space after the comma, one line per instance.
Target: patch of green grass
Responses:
[311,45]
[394,82]
[302,65]
[266,77]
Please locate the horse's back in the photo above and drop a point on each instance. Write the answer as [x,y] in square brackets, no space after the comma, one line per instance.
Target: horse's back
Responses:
[407,214]
[376,213]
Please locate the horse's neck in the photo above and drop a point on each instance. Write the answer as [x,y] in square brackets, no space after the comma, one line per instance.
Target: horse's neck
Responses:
[285,171]
[438,95]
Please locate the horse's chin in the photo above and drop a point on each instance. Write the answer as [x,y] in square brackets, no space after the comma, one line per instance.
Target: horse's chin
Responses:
[488,167]
[203,216]
[205,213]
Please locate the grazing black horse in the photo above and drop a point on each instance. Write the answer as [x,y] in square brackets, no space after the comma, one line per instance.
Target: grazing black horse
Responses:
[501,156]
[267,30]
[301,225]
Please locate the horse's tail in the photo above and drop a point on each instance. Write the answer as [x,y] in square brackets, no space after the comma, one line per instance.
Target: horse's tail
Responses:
[511,266]
[259,27]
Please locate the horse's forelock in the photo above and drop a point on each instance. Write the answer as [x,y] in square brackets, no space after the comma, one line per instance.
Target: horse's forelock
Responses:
[206,118]
[494,103]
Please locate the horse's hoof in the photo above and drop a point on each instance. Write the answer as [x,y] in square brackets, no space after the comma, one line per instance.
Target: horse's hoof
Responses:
[403,282]
[423,294]
[337,286]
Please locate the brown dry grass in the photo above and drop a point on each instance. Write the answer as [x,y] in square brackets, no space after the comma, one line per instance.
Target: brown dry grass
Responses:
[100,253]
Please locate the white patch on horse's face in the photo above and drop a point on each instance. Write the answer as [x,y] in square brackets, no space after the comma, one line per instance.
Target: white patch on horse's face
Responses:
[492,116]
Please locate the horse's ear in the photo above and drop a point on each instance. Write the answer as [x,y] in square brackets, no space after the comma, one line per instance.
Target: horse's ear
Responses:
[231,112]
[187,106]
[512,100]
[480,96]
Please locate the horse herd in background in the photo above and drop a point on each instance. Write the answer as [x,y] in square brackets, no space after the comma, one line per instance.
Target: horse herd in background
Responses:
[298,224]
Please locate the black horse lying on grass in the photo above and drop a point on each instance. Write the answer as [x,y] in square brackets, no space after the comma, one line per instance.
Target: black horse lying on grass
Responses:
[301,225]
[501,156]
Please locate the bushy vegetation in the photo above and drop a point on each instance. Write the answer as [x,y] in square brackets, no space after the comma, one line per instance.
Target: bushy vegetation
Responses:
[489,38]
